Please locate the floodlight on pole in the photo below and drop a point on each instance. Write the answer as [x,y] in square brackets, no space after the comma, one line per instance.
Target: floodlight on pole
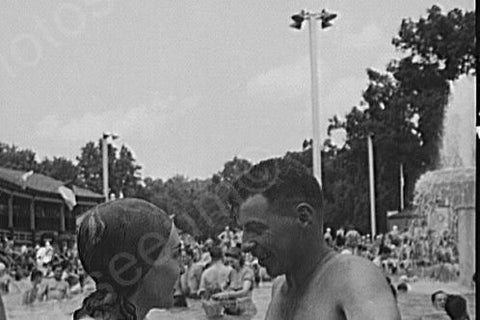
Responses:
[326,18]
[105,137]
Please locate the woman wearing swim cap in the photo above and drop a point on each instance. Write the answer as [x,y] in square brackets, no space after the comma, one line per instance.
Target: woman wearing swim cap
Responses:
[130,248]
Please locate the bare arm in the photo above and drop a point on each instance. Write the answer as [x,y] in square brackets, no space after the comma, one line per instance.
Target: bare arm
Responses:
[230,294]
[202,288]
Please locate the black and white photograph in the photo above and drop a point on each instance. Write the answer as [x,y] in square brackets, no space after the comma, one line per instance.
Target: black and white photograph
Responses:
[238,160]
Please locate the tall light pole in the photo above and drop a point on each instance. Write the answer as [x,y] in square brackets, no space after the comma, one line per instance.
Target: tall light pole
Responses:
[402,188]
[105,137]
[312,18]
[372,185]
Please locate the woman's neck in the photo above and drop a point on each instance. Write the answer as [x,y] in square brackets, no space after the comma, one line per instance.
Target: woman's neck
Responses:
[140,309]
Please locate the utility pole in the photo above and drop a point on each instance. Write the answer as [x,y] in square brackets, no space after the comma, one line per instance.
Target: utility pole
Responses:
[372,185]
[402,187]
[312,19]
[106,188]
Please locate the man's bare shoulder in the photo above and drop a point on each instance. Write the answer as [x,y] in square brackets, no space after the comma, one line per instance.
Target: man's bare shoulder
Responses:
[352,271]
[359,287]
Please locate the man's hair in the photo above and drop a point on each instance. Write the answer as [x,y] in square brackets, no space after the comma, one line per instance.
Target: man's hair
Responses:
[278,179]
[456,307]
[216,253]
[58,265]
[35,274]
[189,251]
[435,294]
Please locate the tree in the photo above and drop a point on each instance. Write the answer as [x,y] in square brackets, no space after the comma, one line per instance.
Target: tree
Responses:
[123,175]
[403,108]
[445,41]
[90,167]
[234,168]
[59,168]
[18,159]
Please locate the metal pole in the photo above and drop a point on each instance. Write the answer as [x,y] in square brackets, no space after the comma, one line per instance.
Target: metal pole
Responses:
[105,166]
[402,186]
[372,186]
[316,152]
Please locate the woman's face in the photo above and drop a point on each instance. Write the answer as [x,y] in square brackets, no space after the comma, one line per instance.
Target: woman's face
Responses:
[439,301]
[158,283]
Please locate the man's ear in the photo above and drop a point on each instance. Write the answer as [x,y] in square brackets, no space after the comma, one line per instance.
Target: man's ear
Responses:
[305,214]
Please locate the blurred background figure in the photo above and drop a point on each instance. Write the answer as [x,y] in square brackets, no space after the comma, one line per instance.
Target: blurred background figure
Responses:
[328,237]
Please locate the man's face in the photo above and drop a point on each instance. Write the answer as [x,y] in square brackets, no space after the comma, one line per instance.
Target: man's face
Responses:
[185,258]
[234,263]
[439,301]
[270,237]
[57,273]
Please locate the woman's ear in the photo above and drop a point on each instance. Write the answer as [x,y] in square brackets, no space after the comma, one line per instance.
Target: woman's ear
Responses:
[305,214]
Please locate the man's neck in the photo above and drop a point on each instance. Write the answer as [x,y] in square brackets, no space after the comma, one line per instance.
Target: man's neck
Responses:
[217,263]
[313,257]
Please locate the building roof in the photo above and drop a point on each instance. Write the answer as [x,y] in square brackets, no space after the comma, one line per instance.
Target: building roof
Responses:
[41,183]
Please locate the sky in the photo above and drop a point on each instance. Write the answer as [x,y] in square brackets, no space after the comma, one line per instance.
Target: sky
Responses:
[187,85]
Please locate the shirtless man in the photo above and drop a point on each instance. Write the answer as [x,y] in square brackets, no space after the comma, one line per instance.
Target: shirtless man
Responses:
[280,210]
[56,288]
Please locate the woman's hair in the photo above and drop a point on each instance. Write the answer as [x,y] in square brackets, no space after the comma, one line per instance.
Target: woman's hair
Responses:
[456,307]
[102,304]
[118,242]
[434,295]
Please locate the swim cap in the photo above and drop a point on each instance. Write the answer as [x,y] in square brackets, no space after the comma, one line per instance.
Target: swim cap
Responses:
[118,242]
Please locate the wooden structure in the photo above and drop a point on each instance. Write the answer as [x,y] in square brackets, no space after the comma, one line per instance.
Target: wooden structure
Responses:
[32,207]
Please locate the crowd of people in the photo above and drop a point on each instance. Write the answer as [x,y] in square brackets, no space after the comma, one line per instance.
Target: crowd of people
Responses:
[215,271]
[50,271]
[414,252]
[218,273]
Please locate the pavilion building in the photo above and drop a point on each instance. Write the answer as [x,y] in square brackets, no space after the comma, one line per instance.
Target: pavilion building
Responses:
[34,206]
